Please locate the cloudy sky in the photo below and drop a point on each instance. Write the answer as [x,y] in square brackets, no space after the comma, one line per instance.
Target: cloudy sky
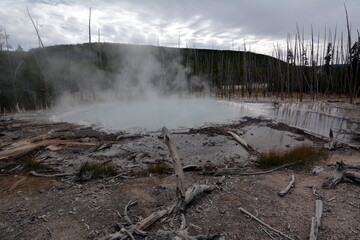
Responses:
[224,24]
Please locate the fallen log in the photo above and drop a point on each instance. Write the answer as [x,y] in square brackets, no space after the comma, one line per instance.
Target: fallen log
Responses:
[316,221]
[264,224]
[179,173]
[239,139]
[286,190]
[26,146]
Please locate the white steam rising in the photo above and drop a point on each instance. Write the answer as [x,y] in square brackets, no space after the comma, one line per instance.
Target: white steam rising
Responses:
[139,75]
[145,92]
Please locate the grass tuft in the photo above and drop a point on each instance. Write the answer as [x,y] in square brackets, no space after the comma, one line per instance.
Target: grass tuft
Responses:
[30,164]
[159,168]
[305,155]
[97,170]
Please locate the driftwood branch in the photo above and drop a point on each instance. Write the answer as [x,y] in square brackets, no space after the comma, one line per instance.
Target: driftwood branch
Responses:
[130,204]
[264,224]
[316,221]
[33,173]
[179,173]
[286,190]
[341,174]
[239,171]
[239,140]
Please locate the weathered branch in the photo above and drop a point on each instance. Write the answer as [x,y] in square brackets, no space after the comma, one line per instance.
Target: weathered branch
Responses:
[239,172]
[239,139]
[179,173]
[286,190]
[341,175]
[33,173]
[316,221]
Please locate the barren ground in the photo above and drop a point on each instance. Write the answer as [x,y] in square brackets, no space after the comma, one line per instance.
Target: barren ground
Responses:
[64,208]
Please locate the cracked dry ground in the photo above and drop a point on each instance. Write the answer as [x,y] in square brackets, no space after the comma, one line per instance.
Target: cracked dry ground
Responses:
[62,208]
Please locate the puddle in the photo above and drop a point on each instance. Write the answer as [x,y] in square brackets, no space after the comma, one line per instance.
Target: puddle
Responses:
[263,138]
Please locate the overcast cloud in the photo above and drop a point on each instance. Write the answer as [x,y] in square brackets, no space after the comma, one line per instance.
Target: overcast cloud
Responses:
[215,24]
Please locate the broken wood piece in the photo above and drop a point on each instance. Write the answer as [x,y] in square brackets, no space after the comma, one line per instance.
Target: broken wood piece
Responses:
[130,204]
[179,173]
[286,190]
[103,146]
[191,193]
[316,221]
[239,139]
[33,173]
[191,167]
[341,175]
[264,224]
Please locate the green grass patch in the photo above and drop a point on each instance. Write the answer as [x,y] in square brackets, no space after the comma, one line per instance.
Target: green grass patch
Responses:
[303,156]
[159,168]
[97,170]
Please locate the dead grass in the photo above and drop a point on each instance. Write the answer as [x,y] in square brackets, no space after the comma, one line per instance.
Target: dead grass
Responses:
[304,156]
[159,168]
[97,170]
[30,164]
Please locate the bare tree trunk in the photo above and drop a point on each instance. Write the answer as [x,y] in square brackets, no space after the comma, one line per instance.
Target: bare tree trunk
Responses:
[350,74]
[90,25]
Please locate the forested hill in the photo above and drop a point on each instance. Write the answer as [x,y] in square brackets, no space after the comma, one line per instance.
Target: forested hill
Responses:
[37,78]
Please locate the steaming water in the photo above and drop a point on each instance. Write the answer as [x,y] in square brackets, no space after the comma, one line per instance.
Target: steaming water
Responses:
[178,113]
[156,113]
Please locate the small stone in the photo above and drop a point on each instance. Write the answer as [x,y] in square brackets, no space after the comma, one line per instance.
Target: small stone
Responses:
[317,170]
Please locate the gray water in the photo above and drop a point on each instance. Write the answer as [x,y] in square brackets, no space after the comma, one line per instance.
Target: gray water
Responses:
[153,114]
[176,113]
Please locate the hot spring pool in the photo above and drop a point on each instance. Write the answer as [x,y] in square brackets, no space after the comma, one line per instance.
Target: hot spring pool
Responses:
[155,113]
[177,113]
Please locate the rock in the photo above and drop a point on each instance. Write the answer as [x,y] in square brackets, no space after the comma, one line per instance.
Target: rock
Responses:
[317,170]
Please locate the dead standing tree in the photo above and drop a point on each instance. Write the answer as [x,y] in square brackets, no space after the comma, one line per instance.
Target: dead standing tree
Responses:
[90,25]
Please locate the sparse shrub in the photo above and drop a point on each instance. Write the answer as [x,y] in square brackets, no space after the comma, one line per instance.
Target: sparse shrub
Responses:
[159,168]
[304,155]
[96,170]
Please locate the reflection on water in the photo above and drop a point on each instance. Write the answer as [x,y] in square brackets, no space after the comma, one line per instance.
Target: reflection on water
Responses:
[317,120]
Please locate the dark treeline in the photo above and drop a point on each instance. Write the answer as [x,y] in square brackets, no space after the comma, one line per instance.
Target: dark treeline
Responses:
[35,79]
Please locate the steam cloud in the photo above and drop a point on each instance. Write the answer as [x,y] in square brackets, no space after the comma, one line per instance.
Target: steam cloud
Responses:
[137,73]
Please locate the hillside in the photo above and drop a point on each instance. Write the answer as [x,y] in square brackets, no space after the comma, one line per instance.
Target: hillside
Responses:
[38,78]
